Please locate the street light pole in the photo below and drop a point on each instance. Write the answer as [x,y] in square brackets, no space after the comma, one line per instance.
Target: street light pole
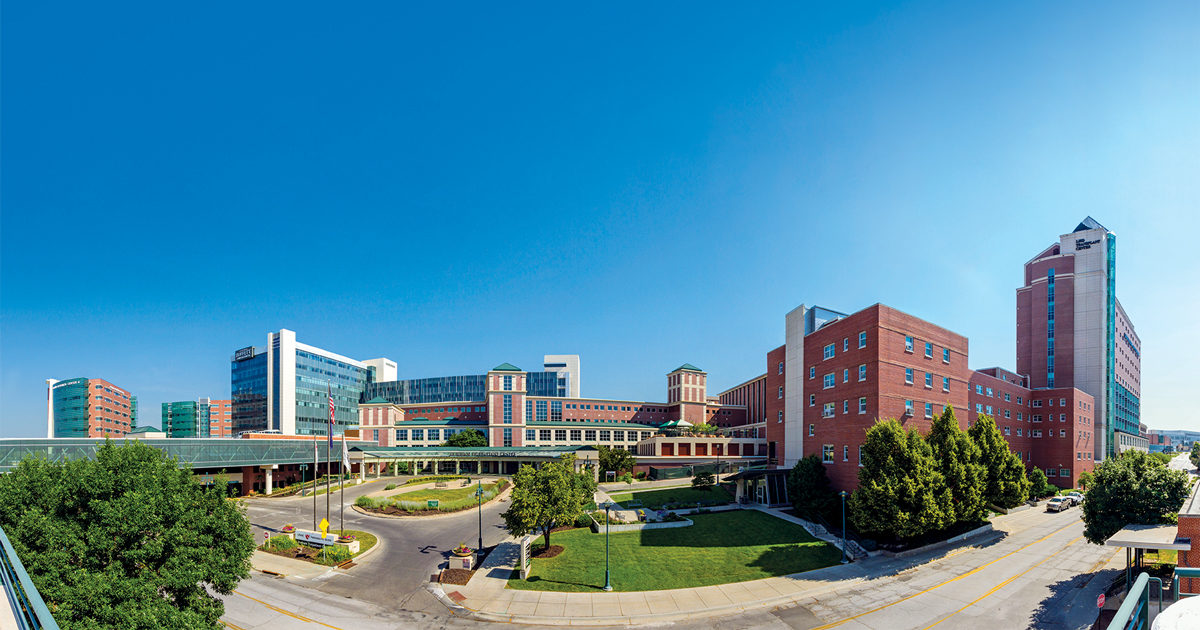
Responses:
[479,494]
[607,527]
[844,495]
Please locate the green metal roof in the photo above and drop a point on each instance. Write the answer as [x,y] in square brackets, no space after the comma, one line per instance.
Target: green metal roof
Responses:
[146,430]
[507,367]
[473,452]
[377,401]
[688,367]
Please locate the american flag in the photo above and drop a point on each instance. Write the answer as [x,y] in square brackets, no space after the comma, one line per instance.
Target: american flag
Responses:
[330,414]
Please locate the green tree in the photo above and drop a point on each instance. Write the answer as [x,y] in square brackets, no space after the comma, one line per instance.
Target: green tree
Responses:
[808,487]
[900,490]
[704,481]
[616,459]
[1007,486]
[467,438]
[1085,479]
[958,459]
[1039,484]
[1195,455]
[543,498]
[704,428]
[1132,490]
[129,540]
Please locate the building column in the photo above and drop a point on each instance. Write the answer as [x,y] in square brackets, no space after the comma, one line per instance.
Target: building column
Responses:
[268,477]
[478,468]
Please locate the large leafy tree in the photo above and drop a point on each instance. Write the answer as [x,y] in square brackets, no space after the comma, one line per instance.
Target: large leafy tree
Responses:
[1039,484]
[129,540]
[900,490]
[958,459]
[542,498]
[1195,454]
[1007,486]
[467,438]
[616,459]
[1132,490]
[808,487]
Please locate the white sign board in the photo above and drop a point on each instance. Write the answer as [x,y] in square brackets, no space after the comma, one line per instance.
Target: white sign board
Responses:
[315,538]
[526,556]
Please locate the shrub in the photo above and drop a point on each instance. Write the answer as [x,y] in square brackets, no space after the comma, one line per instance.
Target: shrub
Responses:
[583,520]
[279,543]
[868,544]
[334,555]
[390,486]
[370,503]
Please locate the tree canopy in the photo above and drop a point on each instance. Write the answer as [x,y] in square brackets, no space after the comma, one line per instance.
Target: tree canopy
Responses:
[543,498]
[958,458]
[1132,490]
[1004,471]
[129,540]
[616,459]
[1039,484]
[1195,454]
[900,490]
[467,438]
[704,481]
[808,487]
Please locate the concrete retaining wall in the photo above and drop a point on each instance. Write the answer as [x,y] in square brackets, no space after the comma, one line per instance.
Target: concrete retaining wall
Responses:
[937,545]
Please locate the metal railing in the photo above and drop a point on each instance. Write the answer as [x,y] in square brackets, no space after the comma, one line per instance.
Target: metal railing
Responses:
[26,603]
[1184,572]
[855,541]
[1134,613]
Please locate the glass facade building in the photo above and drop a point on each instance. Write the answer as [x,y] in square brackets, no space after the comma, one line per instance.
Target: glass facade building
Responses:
[89,407]
[317,378]
[185,419]
[420,391]
[70,408]
[248,384]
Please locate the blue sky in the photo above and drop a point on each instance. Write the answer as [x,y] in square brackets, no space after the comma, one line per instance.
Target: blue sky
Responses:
[459,185]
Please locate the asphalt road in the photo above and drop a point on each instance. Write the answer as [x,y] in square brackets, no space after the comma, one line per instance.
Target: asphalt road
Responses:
[1037,572]
[411,549]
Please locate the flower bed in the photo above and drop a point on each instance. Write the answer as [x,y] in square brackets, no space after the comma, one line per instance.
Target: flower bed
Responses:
[400,507]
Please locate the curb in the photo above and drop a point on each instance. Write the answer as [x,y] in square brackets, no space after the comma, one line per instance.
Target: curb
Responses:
[459,512]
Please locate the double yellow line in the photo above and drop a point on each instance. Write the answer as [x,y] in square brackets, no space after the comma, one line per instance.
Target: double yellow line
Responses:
[280,611]
[955,579]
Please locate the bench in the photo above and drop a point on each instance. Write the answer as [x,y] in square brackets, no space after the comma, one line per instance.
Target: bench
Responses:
[633,504]
[440,484]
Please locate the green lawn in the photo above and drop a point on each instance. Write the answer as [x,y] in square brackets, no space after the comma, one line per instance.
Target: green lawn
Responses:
[444,495]
[720,548]
[655,499]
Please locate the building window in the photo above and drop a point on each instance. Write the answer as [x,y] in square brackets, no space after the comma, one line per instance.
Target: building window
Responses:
[1062,433]
[929,380]
[978,407]
[605,436]
[508,383]
[435,434]
[945,355]
[845,453]
[845,407]
[989,393]
[812,430]
[862,340]
[1062,417]
[829,351]
[908,408]
[846,375]
[508,437]
[1037,404]
[827,453]
[1006,431]
[827,410]
[575,435]
[555,410]
[780,416]
[908,375]
[544,435]
[928,410]
[812,372]
[528,410]
[781,367]
[862,373]
[508,409]
[530,435]
[928,350]
[418,435]
[908,344]
[829,381]
[812,400]
[1037,433]
[1051,472]
[541,411]
[780,391]
[989,410]
[1018,431]
[846,344]
[1007,397]
[945,383]
[401,435]
[1063,472]
[862,405]
[589,435]
[1062,402]
[618,436]
[1020,401]
[1019,418]
[1007,414]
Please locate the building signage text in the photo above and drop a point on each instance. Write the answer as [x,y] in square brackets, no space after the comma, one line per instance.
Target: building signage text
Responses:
[315,538]
[1082,243]
[243,354]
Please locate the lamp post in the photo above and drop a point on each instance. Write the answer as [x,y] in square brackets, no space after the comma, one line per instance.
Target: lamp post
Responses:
[607,505]
[844,494]
[479,495]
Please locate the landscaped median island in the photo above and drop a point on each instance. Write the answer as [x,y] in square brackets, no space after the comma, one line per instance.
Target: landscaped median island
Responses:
[283,545]
[431,500]
[722,547]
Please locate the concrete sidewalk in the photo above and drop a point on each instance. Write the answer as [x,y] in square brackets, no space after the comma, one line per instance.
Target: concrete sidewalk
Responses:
[287,567]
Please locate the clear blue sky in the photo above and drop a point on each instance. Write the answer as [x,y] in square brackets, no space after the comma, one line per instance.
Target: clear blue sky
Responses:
[454,186]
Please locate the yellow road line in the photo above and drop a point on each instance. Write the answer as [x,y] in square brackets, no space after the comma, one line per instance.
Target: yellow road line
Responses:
[230,625]
[284,612]
[1004,583]
[937,586]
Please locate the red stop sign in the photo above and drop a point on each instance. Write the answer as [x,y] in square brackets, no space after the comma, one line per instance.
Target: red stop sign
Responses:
[1100,601]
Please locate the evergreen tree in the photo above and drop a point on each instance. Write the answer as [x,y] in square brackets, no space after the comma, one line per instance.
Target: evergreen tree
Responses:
[958,459]
[808,487]
[1006,486]
[900,490]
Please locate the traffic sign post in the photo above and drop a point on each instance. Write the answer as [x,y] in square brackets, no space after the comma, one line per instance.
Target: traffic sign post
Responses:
[266,539]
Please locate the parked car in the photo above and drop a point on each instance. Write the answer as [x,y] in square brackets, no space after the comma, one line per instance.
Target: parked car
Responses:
[1058,504]
[1076,498]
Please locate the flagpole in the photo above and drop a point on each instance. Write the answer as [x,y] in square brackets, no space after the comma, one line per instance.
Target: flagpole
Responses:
[329,451]
[316,469]
[342,485]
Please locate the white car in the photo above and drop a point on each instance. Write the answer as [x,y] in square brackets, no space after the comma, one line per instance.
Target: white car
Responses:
[1058,504]
[1076,498]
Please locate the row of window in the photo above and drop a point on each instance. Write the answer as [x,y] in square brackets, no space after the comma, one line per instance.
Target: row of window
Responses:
[1049,433]
[113,392]
[908,347]
[578,435]
[830,349]
[829,409]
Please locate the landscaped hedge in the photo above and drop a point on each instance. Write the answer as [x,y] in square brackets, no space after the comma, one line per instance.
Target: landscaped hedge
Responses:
[382,503]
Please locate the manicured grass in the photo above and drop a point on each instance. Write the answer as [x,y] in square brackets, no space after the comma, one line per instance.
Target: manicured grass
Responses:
[366,540]
[443,494]
[655,499]
[720,548]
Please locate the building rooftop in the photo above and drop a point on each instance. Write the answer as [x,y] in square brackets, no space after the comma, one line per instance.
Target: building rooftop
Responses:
[1089,224]
[687,367]
[506,367]
[1149,537]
